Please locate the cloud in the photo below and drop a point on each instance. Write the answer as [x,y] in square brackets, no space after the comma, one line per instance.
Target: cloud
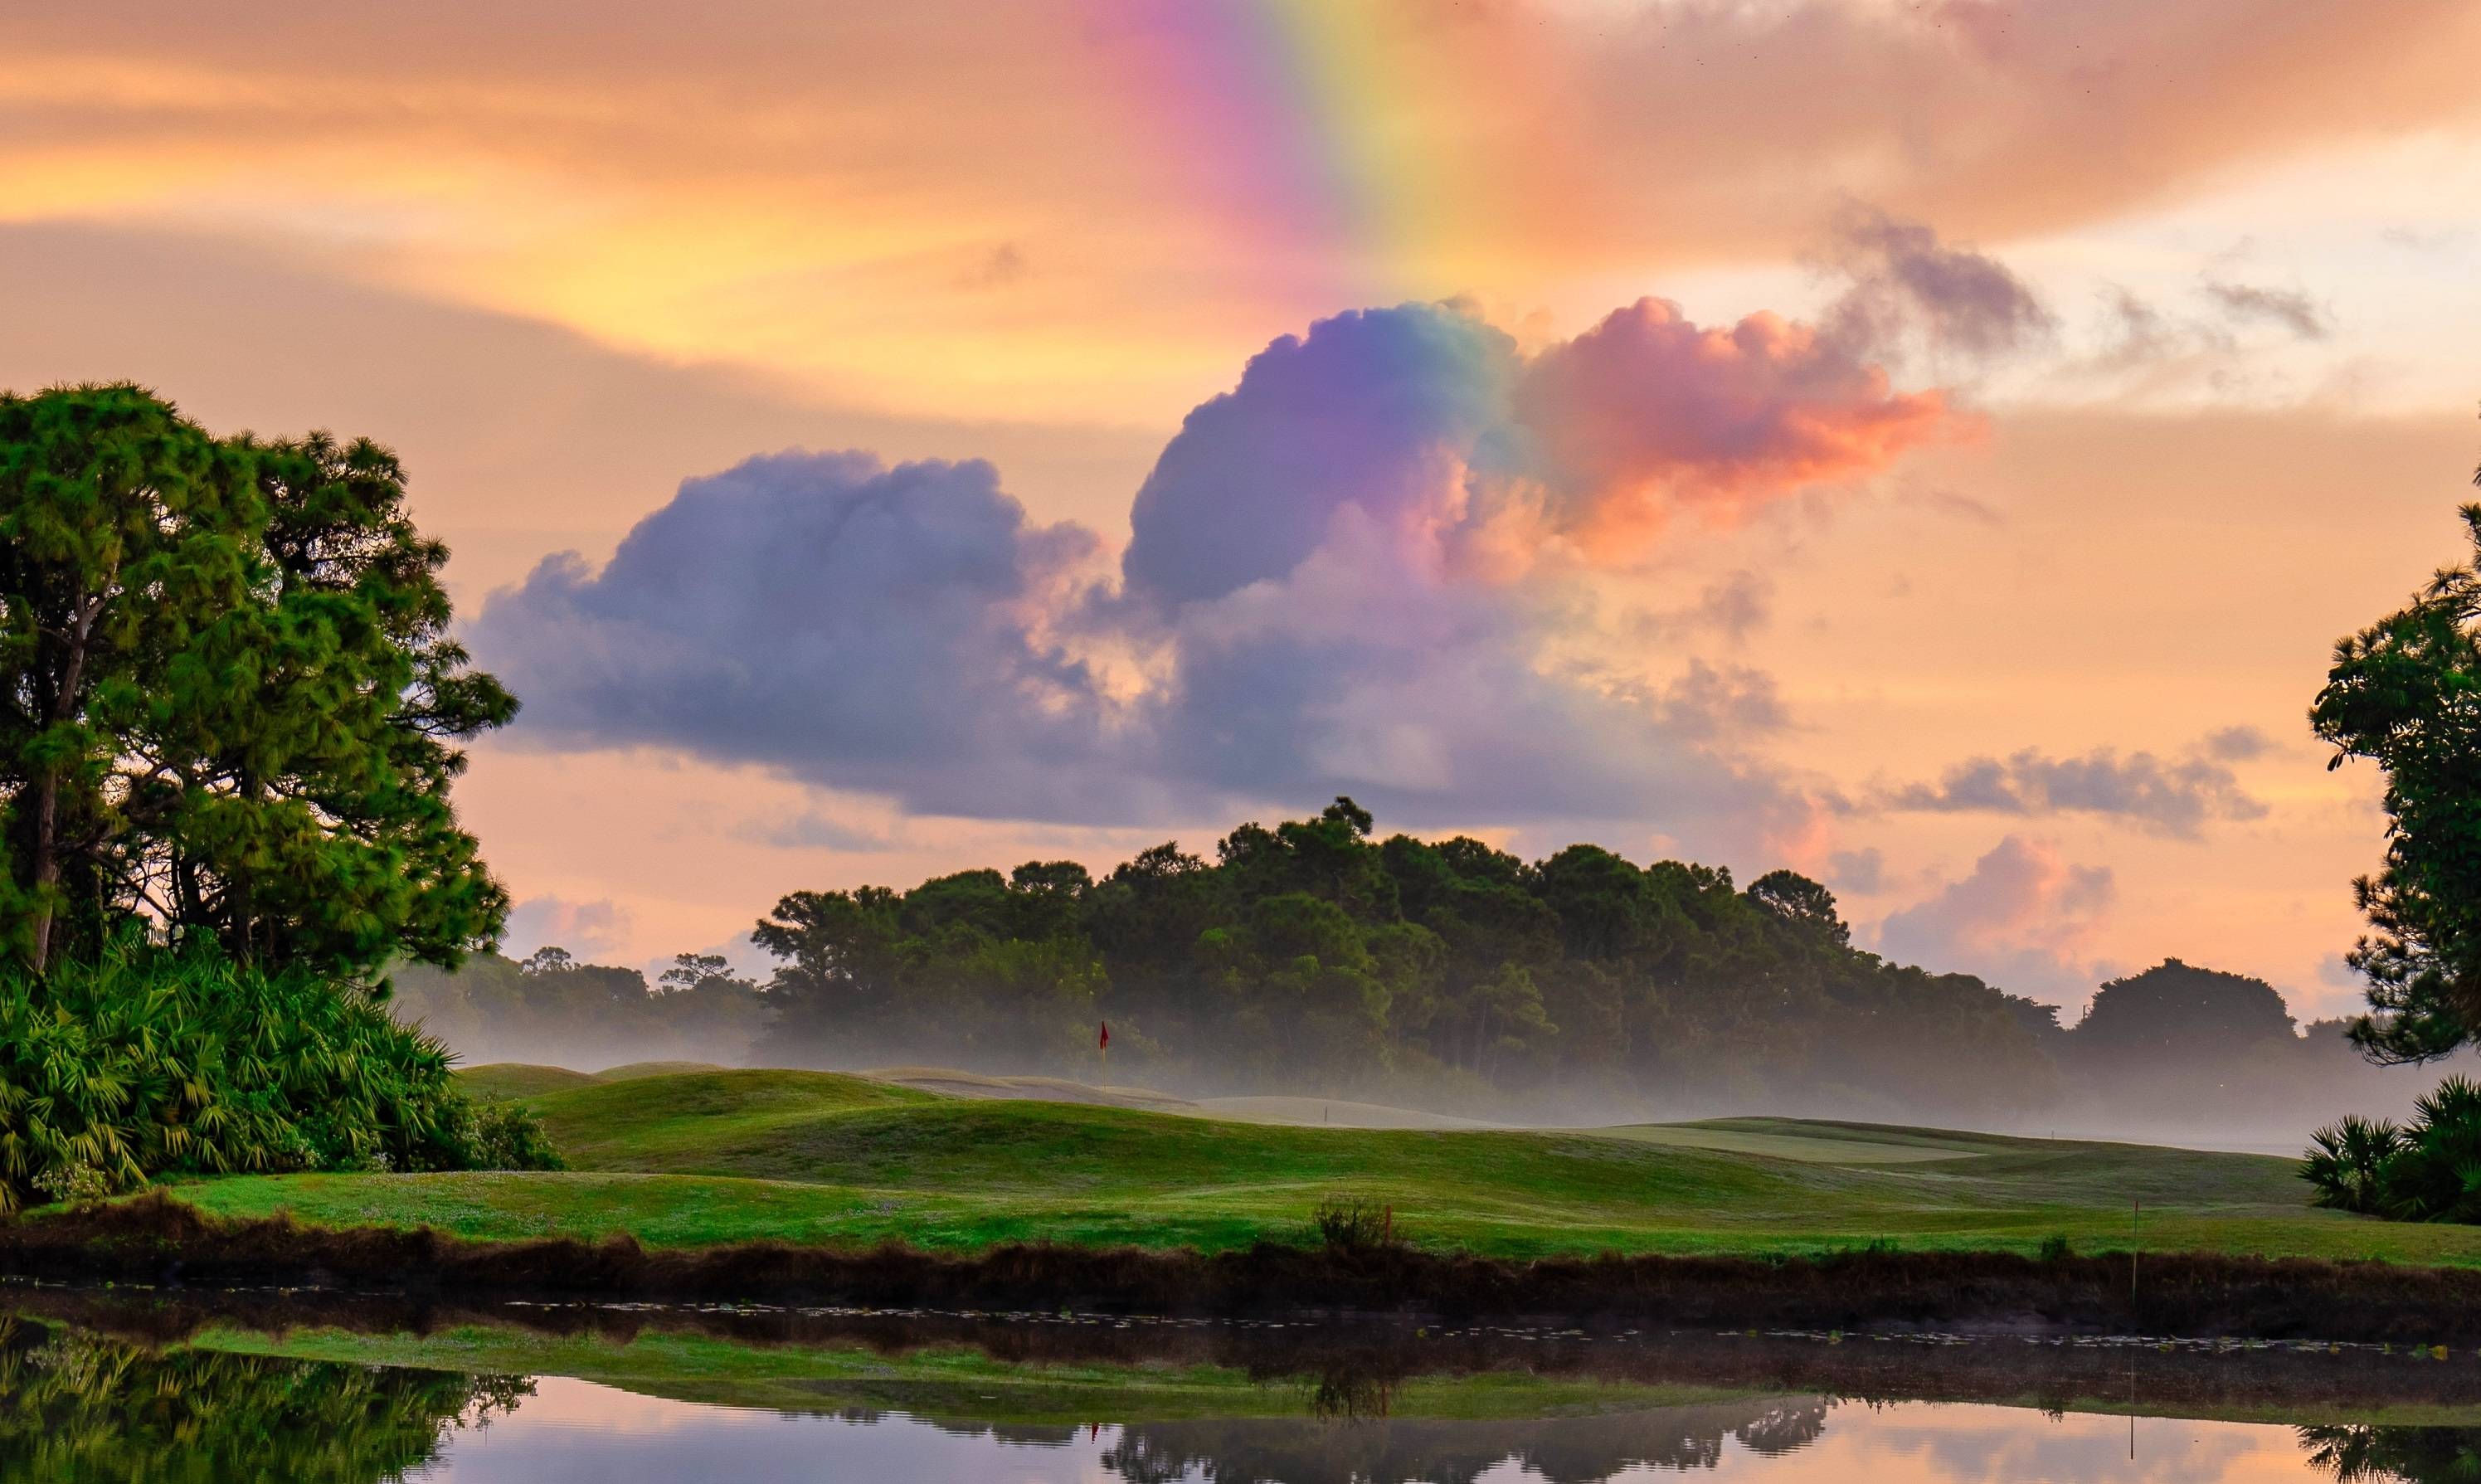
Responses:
[586,928]
[1426,419]
[2289,309]
[2238,745]
[1732,609]
[1647,412]
[2206,343]
[1351,573]
[2023,919]
[1713,702]
[1862,872]
[740,212]
[845,622]
[810,830]
[1906,285]
[1383,410]
[2169,797]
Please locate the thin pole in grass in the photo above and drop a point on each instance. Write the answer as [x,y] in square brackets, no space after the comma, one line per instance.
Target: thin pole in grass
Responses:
[2135,1229]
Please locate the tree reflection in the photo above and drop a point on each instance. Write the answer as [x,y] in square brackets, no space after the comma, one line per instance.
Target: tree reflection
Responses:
[2356,1454]
[74,1405]
[1374,1450]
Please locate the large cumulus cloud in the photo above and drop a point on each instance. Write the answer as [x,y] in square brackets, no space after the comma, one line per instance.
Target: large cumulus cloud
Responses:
[850,623]
[1351,573]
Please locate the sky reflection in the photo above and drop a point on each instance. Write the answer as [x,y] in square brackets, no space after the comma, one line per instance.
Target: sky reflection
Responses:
[575,1432]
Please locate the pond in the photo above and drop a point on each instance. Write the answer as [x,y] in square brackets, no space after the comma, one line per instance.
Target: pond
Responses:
[268,1387]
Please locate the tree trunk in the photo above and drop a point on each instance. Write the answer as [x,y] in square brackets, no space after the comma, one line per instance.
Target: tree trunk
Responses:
[47,783]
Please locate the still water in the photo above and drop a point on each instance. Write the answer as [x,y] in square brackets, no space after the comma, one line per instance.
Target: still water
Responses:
[574,1432]
[110,1387]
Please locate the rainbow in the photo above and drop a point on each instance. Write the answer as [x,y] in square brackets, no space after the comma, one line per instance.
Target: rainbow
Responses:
[1325,129]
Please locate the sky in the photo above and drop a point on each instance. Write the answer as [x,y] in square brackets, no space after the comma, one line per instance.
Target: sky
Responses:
[1930,444]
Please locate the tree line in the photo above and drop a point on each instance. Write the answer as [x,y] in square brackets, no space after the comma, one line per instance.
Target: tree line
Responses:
[1314,957]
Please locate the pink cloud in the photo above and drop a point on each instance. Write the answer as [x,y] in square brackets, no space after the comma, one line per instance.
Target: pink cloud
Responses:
[2025,919]
[1647,412]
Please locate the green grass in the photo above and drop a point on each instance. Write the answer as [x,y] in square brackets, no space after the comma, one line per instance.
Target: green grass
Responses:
[701,1158]
[504,1079]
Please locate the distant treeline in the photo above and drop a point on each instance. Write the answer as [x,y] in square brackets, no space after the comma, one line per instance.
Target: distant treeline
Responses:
[1312,957]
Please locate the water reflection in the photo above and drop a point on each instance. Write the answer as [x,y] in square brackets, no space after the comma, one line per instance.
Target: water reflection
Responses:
[172,1400]
[2428,1455]
[1563,1449]
[77,1406]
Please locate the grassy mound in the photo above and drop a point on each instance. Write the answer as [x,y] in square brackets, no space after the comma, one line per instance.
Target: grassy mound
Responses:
[502,1081]
[632,1070]
[714,1157]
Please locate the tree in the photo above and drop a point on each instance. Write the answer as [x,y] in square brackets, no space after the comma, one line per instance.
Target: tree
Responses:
[1801,904]
[2406,693]
[689,971]
[117,521]
[301,757]
[2178,1014]
[229,700]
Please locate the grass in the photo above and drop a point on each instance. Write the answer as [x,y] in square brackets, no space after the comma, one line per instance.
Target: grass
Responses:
[700,1158]
[503,1081]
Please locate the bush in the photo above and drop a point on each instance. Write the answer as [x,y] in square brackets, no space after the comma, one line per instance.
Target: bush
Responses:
[2344,1160]
[1348,1224]
[2430,1171]
[151,1062]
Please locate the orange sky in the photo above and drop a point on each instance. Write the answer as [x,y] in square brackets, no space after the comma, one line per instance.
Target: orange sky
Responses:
[565,256]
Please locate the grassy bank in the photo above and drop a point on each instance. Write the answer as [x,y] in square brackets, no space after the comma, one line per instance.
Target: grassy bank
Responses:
[700,1158]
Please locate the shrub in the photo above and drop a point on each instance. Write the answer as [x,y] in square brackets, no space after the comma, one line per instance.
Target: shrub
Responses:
[1346,1224]
[149,1062]
[2056,1248]
[2344,1160]
[2429,1171]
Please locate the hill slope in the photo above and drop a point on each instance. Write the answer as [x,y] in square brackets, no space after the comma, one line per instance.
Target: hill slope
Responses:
[716,1155]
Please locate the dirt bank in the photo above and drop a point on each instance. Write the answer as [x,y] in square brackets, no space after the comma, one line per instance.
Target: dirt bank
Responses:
[158,1241]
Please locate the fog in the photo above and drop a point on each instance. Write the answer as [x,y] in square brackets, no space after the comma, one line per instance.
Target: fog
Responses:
[2179,1057]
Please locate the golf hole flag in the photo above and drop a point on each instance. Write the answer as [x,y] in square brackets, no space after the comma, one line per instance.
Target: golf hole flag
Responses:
[1105,1043]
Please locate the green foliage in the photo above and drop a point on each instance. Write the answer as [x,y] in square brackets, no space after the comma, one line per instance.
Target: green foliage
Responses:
[228,696]
[2344,1161]
[2170,1009]
[2429,1171]
[1311,956]
[2406,693]
[1349,1224]
[77,1406]
[147,1062]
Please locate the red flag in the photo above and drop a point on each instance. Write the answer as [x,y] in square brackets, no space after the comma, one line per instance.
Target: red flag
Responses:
[1106,1036]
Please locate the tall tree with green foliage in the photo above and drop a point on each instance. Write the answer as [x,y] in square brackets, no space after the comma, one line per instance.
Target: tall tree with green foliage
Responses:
[230,697]
[2406,693]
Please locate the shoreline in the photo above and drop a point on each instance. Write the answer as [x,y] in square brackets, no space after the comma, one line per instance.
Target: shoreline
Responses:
[157,1240]
[631,1344]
